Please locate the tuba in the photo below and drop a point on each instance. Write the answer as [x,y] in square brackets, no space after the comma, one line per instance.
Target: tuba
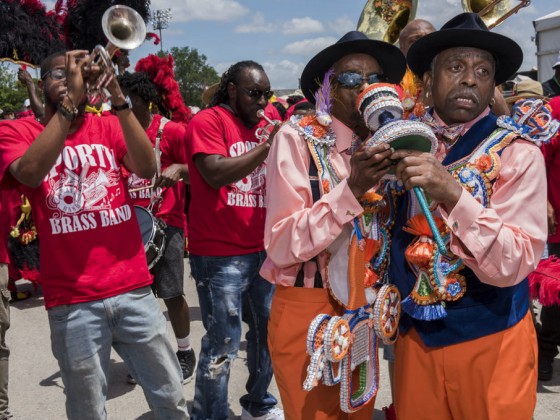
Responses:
[125,29]
[493,12]
[384,20]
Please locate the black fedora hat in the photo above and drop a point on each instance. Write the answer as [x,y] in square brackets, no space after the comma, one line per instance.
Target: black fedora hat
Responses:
[466,30]
[389,57]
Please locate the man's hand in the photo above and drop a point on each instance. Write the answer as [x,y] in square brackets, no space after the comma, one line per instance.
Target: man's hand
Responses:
[76,73]
[170,175]
[368,166]
[273,132]
[24,77]
[416,169]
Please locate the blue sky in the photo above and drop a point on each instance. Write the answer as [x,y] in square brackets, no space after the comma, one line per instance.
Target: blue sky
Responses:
[283,35]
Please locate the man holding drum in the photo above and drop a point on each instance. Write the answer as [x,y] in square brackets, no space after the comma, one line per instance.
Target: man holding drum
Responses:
[93,268]
[166,198]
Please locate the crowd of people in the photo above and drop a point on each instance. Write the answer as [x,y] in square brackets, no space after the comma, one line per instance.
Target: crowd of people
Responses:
[295,214]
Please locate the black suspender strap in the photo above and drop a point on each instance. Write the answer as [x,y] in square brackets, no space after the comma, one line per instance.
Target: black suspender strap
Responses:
[316,194]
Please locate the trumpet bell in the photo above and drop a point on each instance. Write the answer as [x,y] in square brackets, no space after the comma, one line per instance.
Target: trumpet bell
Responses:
[123,27]
[492,12]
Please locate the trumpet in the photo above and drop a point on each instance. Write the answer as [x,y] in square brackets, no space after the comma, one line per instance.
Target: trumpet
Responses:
[263,133]
[125,29]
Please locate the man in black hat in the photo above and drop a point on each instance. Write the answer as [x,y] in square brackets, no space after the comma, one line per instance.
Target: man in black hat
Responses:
[467,347]
[310,214]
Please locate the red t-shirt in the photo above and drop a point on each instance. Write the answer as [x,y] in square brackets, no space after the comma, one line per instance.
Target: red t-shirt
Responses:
[90,242]
[10,212]
[173,150]
[230,220]
[10,201]
[551,151]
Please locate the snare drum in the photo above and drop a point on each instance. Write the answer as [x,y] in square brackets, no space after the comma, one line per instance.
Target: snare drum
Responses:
[153,234]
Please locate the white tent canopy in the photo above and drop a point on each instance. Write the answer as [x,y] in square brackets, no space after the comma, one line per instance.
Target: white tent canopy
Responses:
[547,30]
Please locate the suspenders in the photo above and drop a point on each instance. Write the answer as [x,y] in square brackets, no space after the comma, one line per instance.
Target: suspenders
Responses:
[316,193]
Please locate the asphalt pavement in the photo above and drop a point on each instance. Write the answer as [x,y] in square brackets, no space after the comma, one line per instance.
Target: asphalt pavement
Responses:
[36,390]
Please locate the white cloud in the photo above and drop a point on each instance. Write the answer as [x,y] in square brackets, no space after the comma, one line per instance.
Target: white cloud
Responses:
[215,10]
[343,25]
[284,74]
[300,26]
[309,47]
[258,25]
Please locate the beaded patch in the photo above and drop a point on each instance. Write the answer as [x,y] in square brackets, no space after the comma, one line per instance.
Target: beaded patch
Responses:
[387,313]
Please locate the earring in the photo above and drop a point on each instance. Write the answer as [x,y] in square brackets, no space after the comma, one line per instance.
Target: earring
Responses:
[150,107]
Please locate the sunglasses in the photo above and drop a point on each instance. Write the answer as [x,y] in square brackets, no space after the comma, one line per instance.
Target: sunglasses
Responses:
[55,74]
[257,93]
[352,80]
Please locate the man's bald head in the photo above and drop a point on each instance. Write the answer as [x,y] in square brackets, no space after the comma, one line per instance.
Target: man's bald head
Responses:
[413,31]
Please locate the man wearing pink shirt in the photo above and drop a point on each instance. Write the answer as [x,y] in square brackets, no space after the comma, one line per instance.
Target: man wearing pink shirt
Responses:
[467,346]
[309,218]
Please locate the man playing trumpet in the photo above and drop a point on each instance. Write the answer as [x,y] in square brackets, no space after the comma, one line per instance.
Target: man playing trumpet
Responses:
[226,224]
[94,273]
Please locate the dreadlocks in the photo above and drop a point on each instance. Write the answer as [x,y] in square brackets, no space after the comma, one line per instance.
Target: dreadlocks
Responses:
[232,75]
[139,84]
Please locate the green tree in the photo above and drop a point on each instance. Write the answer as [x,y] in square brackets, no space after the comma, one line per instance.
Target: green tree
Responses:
[12,93]
[193,74]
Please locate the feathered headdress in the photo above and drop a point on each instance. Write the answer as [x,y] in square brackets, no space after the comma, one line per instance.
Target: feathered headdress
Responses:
[28,33]
[161,73]
[153,36]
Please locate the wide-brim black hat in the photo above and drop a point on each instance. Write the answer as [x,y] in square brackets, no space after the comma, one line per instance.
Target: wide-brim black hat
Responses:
[389,57]
[466,30]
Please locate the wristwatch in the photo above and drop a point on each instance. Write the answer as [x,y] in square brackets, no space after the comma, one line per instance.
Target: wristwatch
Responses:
[122,107]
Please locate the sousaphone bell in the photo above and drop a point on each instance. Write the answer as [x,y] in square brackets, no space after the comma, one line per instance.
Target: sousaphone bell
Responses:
[384,20]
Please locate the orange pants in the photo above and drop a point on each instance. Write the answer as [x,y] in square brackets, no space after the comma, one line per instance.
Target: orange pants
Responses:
[293,309]
[492,377]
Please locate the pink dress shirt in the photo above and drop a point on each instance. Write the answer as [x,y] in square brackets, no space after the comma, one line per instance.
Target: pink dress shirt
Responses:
[502,244]
[296,229]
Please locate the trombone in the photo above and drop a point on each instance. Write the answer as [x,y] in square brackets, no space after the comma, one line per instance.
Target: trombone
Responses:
[493,12]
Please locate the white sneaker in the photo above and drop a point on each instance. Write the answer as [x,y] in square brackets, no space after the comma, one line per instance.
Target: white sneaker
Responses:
[274,413]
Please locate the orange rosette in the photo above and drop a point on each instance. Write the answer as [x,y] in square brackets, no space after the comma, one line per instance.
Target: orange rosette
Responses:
[420,252]
[483,163]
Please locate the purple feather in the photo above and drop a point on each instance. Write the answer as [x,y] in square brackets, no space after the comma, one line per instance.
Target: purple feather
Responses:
[323,100]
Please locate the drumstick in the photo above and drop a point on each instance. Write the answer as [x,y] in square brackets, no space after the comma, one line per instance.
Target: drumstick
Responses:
[146,187]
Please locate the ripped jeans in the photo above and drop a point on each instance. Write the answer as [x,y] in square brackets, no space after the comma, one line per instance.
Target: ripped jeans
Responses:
[230,290]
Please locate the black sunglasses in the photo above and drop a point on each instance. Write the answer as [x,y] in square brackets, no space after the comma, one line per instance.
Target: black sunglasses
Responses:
[55,74]
[257,93]
[352,80]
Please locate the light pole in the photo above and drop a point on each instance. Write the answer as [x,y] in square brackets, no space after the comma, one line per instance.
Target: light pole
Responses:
[160,20]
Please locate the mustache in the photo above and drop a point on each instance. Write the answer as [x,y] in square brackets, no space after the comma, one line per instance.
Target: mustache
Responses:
[466,94]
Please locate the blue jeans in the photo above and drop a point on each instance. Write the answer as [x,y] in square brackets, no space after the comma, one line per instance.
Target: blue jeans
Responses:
[132,323]
[230,290]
